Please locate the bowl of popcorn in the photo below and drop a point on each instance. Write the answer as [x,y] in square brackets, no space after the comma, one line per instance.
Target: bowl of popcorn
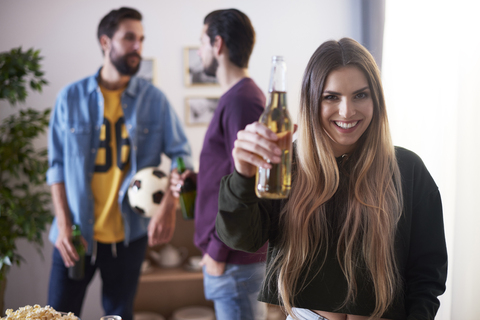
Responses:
[38,313]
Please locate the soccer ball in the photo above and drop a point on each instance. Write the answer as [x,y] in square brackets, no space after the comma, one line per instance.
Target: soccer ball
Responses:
[146,191]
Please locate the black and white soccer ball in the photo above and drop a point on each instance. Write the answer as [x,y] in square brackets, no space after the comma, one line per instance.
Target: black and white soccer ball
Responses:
[146,190]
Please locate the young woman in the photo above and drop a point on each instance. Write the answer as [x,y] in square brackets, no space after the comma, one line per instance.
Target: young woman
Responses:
[361,235]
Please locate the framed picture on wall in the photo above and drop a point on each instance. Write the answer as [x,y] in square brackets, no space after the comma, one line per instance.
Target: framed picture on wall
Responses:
[147,70]
[199,110]
[194,74]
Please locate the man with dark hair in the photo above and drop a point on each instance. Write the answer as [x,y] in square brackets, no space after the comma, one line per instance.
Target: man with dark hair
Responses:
[110,23]
[231,278]
[104,129]
[237,32]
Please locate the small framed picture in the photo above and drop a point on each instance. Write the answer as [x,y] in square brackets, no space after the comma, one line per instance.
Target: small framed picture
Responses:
[194,74]
[147,70]
[199,110]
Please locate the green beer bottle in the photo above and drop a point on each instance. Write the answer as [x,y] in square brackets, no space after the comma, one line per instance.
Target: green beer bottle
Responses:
[188,192]
[77,272]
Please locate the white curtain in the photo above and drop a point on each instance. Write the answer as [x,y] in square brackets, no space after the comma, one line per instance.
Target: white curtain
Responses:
[431,75]
[372,27]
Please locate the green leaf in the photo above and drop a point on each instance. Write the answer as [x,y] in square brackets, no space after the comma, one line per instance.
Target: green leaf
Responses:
[18,67]
[24,200]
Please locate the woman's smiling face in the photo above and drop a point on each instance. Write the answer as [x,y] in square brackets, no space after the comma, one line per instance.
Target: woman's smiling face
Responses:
[346,108]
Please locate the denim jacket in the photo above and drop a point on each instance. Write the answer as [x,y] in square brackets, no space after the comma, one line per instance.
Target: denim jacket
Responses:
[74,139]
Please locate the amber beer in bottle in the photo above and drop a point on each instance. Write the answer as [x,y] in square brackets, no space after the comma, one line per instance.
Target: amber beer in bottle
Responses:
[188,193]
[275,183]
[77,272]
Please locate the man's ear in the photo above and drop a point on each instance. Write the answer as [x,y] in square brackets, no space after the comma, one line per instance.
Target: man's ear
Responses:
[218,46]
[105,43]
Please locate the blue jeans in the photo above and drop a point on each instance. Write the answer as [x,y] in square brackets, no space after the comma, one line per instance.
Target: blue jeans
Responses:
[119,279]
[306,314]
[234,293]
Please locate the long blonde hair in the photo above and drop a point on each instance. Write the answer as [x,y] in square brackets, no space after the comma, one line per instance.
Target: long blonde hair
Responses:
[372,190]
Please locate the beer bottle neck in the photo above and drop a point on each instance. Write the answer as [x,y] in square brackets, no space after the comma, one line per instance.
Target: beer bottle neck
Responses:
[277,100]
[180,165]
[278,81]
[76,231]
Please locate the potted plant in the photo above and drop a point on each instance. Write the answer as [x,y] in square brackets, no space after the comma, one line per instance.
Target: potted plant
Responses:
[24,201]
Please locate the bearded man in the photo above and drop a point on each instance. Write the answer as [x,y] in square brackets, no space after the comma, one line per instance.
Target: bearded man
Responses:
[232,278]
[104,129]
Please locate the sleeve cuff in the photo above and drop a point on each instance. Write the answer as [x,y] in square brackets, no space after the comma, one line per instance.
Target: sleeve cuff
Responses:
[55,175]
[242,186]
[217,250]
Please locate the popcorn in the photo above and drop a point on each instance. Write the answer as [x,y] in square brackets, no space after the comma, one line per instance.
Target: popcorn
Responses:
[37,313]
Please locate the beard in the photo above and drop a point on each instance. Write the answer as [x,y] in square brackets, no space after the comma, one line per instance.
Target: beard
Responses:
[121,63]
[211,69]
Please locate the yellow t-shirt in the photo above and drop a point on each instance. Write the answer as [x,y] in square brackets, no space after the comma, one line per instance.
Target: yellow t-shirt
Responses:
[111,166]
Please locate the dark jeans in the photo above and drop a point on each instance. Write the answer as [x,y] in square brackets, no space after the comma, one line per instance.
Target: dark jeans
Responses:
[119,279]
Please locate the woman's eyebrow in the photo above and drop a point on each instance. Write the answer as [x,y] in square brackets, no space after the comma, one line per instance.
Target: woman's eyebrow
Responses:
[360,90]
[338,93]
[331,92]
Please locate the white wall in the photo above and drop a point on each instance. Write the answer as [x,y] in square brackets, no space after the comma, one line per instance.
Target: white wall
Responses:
[431,78]
[65,31]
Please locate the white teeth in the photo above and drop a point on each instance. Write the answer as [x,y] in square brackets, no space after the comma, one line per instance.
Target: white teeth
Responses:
[345,125]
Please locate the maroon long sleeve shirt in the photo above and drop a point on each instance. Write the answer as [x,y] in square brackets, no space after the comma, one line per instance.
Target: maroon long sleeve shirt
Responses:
[241,105]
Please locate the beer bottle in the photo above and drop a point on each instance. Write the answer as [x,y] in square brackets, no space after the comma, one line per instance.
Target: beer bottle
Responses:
[77,272]
[275,183]
[188,193]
